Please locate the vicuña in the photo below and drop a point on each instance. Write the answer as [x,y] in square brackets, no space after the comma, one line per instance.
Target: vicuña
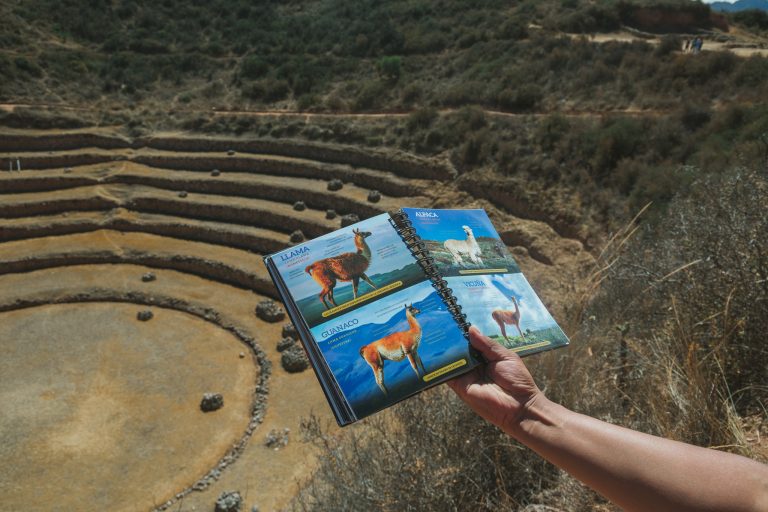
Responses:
[503,316]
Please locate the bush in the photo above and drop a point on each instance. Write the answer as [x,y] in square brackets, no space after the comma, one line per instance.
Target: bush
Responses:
[522,99]
[421,119]
[390,67]
[253,67]
[370,96]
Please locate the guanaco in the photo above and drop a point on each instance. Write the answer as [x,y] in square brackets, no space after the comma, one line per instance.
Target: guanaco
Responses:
[395,347]
[349,266]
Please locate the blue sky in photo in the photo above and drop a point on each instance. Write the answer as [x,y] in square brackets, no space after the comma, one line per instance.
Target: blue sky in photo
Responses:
[479,301]
[450,224]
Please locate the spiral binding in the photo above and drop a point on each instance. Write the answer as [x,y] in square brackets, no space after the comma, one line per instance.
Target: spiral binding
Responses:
[404,227]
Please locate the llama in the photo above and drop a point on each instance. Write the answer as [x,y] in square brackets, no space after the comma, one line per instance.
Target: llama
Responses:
[468,247]
[395,347]
[507,317]
[349,266]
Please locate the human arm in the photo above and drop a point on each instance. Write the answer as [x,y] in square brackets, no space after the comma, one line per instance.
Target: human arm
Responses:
[636,471]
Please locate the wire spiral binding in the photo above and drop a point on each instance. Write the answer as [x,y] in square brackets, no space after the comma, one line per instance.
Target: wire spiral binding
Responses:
[407,232]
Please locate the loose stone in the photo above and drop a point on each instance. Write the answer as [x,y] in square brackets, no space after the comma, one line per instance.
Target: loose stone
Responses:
[211,402]
[335,184]
[349,219]
[269,311]
[144,315]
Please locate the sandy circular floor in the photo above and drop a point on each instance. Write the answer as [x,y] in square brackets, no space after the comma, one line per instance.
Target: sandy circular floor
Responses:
[101,411]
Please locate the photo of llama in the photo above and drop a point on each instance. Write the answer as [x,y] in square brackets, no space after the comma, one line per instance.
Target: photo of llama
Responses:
[462,242]
[364,261]
[505,308]
[392,348]
[348,266]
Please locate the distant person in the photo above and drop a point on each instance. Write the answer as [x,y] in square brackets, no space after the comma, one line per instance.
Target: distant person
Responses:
[697,43]
[636,471]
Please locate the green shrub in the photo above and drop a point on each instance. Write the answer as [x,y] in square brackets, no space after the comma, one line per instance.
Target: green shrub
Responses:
[371,95]
[253,67]
[390,67]
[421,119]
[522,99]
[275,90]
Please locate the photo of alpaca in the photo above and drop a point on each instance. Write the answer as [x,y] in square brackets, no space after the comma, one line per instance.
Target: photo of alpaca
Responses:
[395,347]
[349,266]
[468,247]
[506,317]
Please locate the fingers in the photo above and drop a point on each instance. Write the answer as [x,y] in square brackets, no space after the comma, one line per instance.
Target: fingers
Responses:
[491,350]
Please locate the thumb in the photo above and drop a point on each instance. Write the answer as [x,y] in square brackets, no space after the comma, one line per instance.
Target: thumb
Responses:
[490,350]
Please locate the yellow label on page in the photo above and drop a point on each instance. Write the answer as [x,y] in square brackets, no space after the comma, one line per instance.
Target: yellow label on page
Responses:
[484,271]
[445,369]
[532,345]
[363,298]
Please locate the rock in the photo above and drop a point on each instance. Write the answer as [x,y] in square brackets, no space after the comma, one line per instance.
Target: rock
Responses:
[211,402]
[144,315]
[299,206]
[297,236]
[148,277]
[330,214]
[215,172]
[229,501]
[254,509]
[242,355]
[335,184]
[67,170]
[285,343]
[277,439]
[349,219]
[289,331]
[294,360]
[269,311]
[230,152]
[374,196]
[183,193]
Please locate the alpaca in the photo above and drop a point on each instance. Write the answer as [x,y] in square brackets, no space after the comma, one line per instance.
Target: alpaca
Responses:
[468,247]
[507,317]
[395,347]
[349,266]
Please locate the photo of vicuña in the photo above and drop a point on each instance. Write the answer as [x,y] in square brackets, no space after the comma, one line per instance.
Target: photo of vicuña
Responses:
[506,308]
[339,270]
[380,353]
[462,241]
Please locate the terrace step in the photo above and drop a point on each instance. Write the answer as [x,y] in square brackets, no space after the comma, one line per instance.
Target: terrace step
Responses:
[313,192]
[384,181]
[251,212]
[249,238]
[217,263]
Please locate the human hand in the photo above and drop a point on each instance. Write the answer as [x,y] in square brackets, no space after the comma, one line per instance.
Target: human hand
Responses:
[499,391]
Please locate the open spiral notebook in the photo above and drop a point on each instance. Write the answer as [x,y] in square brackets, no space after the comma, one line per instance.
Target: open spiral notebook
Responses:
[383,306]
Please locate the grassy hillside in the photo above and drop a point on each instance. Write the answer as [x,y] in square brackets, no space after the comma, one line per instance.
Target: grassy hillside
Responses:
[335,55]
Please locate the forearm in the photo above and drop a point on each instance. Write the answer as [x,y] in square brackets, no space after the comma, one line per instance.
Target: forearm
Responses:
[641,472]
